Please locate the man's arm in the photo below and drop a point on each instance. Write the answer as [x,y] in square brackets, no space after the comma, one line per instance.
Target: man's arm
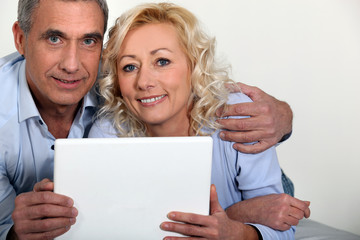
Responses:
[42,214]
[270,120]
[278,211]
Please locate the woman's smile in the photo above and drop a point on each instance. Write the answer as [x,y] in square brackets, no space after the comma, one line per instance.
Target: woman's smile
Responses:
[152,100]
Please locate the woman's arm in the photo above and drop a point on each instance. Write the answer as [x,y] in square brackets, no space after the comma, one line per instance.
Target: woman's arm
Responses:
[213,227]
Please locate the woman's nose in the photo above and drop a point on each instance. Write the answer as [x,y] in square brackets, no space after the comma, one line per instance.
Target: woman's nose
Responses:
[146,79]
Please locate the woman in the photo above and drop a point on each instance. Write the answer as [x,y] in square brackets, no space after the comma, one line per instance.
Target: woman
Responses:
[162,80]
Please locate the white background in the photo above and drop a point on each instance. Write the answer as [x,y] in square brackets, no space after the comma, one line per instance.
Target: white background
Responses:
[306,52]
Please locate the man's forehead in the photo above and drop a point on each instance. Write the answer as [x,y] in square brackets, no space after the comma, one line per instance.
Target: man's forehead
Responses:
[69,15]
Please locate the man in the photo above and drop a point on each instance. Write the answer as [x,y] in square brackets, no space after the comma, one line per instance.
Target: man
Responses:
[62,43]
[50,96]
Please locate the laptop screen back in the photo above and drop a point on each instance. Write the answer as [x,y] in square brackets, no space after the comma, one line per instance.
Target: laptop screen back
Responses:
[123,188]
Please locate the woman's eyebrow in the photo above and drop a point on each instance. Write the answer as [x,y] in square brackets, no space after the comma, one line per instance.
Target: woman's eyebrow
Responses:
[159,49]
[153,52]
[126,56]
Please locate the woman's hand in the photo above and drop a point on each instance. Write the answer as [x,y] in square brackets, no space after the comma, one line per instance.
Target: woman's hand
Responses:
[215,226]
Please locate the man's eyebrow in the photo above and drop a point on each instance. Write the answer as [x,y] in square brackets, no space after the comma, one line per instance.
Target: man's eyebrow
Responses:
[95,35]
[52,32]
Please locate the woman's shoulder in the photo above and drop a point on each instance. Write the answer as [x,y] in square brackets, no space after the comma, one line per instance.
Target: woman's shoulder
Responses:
[235,98]
[103,128]
[239,97]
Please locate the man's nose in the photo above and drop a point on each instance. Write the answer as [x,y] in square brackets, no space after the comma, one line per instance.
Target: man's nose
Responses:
[70,61]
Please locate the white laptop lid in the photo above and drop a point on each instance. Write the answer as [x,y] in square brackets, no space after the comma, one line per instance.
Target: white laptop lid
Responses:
[123,188]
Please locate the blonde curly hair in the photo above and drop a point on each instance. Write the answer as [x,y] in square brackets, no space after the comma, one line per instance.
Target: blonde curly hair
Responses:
[207,77]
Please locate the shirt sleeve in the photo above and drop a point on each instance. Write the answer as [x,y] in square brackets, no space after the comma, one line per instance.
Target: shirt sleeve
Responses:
[285,137]
[7,198]
[268,233]
[258,175]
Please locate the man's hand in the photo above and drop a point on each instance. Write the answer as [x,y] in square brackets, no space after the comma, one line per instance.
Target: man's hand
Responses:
[42,214]
[215,226]
[270,119]
[278,211]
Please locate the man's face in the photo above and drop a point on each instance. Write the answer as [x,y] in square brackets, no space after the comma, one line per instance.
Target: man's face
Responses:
[62,51]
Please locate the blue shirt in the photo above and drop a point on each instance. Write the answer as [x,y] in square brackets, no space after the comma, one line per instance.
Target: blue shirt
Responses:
[237,176]
[26,145]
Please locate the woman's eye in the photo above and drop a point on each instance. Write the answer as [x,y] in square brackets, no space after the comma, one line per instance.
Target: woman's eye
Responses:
[54,39]
[163,62]
[129,68]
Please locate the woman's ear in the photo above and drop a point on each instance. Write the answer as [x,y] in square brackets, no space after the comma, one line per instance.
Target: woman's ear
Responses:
[19,38]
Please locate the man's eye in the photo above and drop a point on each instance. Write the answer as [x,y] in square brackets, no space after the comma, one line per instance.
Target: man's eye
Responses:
[163,62]
[54,39]
[129,68]
[89,41]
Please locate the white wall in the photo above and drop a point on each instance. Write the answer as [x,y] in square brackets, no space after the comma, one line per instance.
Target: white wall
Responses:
[306,52]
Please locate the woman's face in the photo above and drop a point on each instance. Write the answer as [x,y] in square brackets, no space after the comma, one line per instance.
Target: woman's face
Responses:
[154,76]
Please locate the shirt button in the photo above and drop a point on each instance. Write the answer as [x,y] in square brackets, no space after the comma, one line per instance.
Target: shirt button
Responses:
[41,122]
[52,147]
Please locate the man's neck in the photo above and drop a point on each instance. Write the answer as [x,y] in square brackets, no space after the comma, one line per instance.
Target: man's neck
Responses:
[59,119]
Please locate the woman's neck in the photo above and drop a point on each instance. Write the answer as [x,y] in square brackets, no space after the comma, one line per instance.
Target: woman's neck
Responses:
[177,127]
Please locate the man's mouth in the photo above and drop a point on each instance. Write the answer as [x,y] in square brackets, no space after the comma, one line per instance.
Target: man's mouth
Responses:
[66,81]
[151,100]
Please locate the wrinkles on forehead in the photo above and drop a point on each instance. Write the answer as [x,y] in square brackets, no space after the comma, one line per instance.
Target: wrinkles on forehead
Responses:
[78,19]
[33,11]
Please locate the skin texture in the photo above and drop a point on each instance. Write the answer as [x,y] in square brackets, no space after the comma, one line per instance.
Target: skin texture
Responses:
[278,211]
[270,120]
[64,43]
[31,207]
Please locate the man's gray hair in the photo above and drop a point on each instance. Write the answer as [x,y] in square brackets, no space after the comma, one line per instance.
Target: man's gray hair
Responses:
[26,9]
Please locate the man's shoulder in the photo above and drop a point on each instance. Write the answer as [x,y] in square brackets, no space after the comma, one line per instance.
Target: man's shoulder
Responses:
[10,59]
[10,69]
[9,74]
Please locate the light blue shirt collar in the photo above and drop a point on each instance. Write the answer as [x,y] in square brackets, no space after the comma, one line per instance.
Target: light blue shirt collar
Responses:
[27,107]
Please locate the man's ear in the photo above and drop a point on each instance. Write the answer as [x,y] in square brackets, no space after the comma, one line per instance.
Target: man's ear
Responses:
[19,38]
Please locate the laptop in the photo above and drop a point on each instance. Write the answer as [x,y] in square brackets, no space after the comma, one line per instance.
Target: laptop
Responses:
[124,188]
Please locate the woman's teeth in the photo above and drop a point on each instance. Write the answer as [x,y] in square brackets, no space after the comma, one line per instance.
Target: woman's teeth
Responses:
[150,100]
